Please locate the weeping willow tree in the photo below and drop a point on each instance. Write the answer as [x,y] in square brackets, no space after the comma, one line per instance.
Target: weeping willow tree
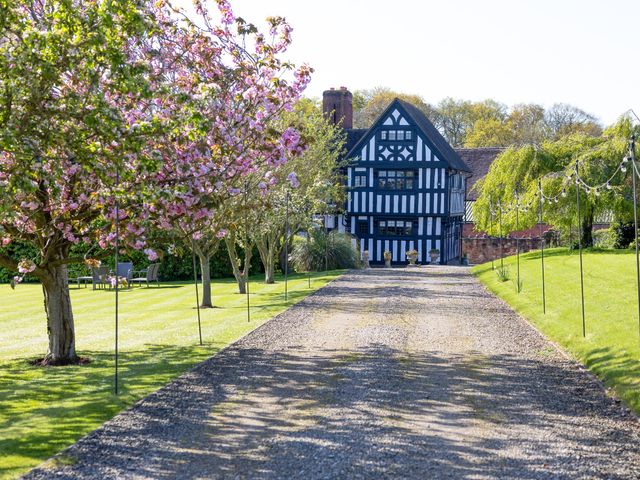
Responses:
[514,178]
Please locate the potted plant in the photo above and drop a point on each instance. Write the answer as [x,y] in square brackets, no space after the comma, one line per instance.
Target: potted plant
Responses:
[464,260]
[387,258]
[434,253]
[412,256]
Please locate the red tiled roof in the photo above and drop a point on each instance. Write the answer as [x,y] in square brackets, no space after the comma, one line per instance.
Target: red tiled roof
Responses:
[479,160]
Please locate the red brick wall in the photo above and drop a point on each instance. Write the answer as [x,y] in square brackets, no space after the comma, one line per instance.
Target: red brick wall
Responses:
[485,249]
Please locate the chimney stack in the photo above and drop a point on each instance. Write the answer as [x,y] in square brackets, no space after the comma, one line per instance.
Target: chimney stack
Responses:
[337,106]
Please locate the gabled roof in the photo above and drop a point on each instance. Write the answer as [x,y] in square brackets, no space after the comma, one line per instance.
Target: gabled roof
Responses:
[353,136]
[479,160]
[444,150]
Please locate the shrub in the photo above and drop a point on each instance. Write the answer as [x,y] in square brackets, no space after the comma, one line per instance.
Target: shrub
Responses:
[603,238]
[337,247]
[622,234]
[172,267]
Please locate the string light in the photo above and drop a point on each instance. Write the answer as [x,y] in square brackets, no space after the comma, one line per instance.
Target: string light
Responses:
[568,180]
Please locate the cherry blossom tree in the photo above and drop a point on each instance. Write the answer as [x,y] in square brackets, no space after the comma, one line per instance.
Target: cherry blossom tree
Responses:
[237,108]
[127,106]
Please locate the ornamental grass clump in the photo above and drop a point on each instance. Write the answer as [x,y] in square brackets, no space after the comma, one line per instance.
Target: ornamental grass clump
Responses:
[503,274]
[331,251]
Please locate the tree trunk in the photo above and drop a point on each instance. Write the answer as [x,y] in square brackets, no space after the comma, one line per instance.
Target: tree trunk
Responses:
[205,270]
[57,304]
[587,230]
[268,259]
[269,269]
[241,276]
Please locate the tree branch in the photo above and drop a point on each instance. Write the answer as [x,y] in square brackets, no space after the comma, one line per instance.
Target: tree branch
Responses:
[8,263]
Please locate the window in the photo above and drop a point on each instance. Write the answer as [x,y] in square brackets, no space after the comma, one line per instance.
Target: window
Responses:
[362,228]
[394,135]
[395,228]
[360,180]
[396,179]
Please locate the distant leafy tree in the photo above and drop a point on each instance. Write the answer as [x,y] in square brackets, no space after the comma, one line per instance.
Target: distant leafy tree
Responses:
[489,132]
[527,124]
[487,123]
[564,119]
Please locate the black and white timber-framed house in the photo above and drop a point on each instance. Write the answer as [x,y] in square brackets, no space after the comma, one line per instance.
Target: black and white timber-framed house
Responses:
[405,184]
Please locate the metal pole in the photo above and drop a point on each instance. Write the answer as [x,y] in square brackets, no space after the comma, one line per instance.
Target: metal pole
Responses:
[584,328]
[308,249]
[286,246]
[326,245]
[635,218]
[518,241]
[491,228]
[246,246]
[501,240]
[117,278]
[544,298]
[195,282]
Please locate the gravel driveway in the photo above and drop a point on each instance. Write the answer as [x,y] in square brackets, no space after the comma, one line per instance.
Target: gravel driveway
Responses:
[403,373]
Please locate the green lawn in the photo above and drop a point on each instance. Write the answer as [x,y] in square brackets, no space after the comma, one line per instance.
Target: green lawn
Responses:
[611,348]
[43,410]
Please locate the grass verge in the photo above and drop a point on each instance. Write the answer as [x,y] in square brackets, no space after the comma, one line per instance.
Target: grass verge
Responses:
[611,347]
[43,410]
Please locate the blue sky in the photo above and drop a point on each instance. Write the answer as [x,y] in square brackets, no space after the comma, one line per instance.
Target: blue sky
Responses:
[580,52]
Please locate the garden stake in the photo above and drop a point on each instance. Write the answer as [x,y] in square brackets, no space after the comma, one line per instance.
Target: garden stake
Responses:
[635,218]
[195,282]
[501,240]
[308,250]
[544,299]
[584,328]
[518,242]
[246,238]
[286,245]
[326,245]
[490,229]
[117,279]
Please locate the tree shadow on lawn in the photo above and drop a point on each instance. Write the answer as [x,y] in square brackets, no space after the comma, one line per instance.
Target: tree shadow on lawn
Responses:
[372,412]
[45,409]
[618,370]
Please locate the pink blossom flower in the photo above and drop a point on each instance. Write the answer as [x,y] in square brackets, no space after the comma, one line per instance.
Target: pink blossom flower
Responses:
[293,179]
[151,254]
[26,266]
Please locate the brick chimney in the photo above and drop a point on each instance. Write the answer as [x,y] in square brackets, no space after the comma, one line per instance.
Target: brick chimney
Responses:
[337,105]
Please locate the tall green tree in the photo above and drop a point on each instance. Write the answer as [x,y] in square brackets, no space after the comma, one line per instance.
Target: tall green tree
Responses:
[518,169]
[317,182]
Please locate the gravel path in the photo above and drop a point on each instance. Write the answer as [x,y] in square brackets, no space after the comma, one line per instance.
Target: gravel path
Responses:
[403,373]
